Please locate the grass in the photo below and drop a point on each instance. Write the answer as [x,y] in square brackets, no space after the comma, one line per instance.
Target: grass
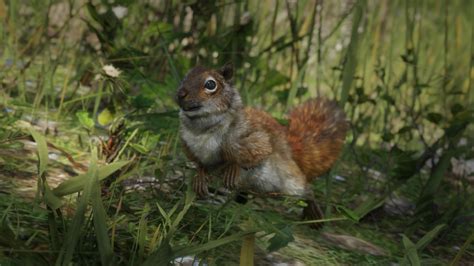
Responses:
[91,169]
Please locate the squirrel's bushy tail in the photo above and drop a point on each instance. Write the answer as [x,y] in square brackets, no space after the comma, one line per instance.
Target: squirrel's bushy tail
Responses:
[316,134]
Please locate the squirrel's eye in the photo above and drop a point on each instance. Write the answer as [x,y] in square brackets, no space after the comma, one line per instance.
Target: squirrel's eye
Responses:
[210,85]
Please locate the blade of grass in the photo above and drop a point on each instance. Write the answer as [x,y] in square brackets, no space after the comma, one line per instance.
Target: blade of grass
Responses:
[77,183]
[247,251]
[428,237]
[462,250]
[351,56]
[100,217]
[49,198]
[42,148]
[189,250]
[142,232]
[410,252]
[75,229]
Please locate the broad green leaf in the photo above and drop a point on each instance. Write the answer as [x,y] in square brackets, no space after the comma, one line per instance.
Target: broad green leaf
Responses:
[140,148]
[410,252]
[281,239]
[85,120]
[50,198]
[105,117]
[77,183]
[428,237]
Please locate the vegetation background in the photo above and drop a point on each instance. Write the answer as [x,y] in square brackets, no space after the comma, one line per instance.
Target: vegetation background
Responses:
[90,167]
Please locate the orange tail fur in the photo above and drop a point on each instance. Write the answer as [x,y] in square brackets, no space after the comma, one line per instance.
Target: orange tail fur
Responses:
[316,134]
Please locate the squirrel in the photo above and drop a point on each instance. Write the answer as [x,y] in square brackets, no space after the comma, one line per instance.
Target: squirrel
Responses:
[253,150]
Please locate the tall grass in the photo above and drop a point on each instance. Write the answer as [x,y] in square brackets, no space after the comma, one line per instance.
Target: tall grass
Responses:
[402,70]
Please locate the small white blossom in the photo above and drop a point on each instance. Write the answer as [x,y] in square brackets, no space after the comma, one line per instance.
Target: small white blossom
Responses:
[120,11]
[111,71]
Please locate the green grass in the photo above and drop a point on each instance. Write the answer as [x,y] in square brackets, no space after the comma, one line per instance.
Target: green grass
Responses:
[74,139]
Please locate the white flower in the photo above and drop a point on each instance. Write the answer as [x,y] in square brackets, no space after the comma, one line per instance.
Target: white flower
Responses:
[120,11]
[111,71]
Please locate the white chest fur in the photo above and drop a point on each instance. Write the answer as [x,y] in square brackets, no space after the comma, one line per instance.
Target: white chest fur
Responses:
[206,145]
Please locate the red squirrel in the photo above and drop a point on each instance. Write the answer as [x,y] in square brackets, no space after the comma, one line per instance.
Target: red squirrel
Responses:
[254,151]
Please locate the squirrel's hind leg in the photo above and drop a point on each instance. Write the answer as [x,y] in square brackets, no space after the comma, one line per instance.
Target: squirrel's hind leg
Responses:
[312,211]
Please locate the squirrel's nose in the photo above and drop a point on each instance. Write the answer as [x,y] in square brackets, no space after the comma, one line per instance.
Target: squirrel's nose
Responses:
[182,93]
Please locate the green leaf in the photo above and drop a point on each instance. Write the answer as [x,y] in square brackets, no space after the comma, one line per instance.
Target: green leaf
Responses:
[410,252]
[142,231]
[434,181]
[53,201]
[162,256]
[100,218]
[189,250]
[273,78]
[405,129]
[389,99]
[77,183]
[85,120]
[456,108]
[351,55]
[75,229]
[434,117]
[157,122]
[42,148]
[348,213]
[387,136]
[459,123]
[140,148]
[463,249]
[281,239]
[428,237]
[142,101]
[105,117]
[368,205]
[49,198]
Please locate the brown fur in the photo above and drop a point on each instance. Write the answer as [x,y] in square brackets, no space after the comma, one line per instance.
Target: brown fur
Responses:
[316,134]
[313,139]
[265,135]
[250,145]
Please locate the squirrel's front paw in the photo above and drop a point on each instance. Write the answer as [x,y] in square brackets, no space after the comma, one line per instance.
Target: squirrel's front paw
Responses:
[231,176]
[200,186]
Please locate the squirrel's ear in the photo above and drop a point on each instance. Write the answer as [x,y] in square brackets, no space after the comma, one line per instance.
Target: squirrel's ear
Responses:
[227,71]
